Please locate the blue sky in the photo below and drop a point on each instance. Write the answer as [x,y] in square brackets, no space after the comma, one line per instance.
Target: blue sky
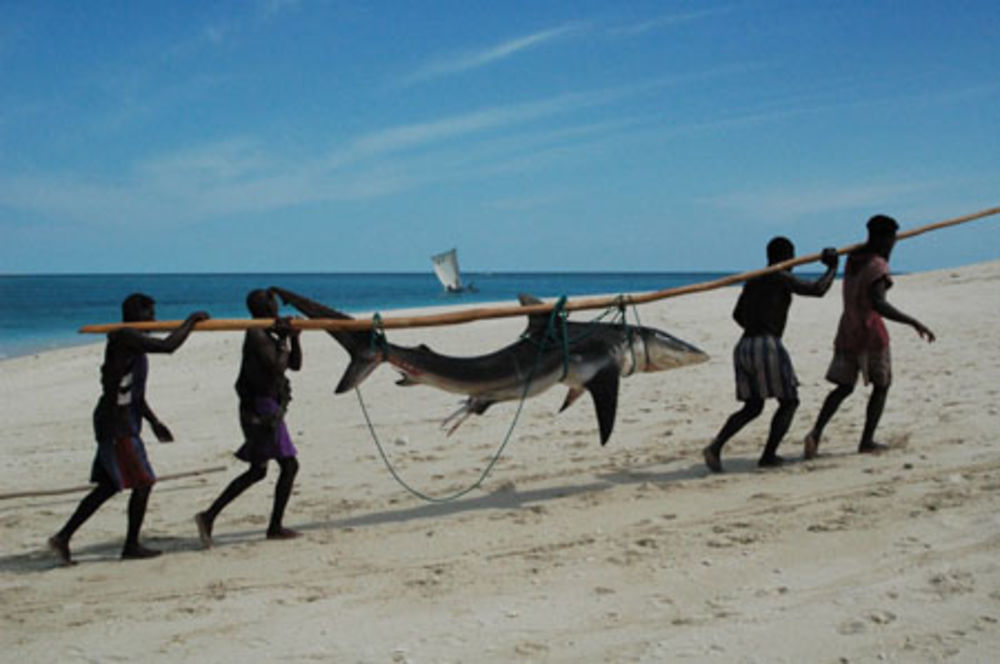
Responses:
[292,135]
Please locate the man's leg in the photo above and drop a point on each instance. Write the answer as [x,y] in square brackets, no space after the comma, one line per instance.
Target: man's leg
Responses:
[240,483]
[779,427]
[289,467]
[876,404]
[830,406]
[136,514]
[59,542]
[751,409]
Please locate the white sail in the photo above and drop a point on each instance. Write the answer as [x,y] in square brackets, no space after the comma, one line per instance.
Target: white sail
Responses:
[446,269]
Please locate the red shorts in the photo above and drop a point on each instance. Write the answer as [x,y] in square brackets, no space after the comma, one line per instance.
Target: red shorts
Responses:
[875,367]
[123,463]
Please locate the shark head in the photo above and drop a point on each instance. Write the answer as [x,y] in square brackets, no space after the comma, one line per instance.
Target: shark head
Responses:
[661,351]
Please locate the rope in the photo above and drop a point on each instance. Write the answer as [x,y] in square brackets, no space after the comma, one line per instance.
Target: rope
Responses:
[378,339]
[557,313]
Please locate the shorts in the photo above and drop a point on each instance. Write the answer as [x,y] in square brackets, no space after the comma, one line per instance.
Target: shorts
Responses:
[875,367]
[265,433]
[122,463]
[763,369]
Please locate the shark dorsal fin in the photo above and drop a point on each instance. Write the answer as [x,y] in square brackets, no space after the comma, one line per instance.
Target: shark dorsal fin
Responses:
[537,323]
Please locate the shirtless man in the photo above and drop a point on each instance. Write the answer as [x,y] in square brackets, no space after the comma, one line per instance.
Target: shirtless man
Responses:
[762,365]
[264,393]
[121,461]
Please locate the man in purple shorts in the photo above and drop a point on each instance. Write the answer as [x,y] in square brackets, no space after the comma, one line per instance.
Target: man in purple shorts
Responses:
[763,366]
[862,341]
[121,461]
[264,393]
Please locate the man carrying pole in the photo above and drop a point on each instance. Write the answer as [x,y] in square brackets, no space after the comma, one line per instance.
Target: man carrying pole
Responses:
[862,341]
[121,461]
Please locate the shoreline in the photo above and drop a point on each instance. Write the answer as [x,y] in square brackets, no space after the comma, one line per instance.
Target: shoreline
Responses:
[569,551]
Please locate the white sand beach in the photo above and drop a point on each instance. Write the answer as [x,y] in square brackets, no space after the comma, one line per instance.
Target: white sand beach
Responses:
[569,552]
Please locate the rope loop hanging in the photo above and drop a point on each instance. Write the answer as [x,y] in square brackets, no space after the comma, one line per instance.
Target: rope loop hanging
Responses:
[555,328]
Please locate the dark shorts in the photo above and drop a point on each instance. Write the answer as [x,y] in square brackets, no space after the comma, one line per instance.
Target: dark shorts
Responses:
[265,433]
[122,463]
[763,369]
[874,367]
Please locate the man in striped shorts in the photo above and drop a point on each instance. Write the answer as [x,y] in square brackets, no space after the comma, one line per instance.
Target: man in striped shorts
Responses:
[763,366]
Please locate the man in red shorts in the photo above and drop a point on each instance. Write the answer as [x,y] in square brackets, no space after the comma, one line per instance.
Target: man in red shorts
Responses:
[862,342]
[121,461]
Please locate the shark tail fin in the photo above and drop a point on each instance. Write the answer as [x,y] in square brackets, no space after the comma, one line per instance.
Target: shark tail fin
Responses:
[537,323]
[364,356]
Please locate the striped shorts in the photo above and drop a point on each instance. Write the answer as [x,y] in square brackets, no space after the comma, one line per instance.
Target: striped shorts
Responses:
[763,369]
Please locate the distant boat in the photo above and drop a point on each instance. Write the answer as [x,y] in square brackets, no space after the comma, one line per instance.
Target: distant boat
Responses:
[446,269]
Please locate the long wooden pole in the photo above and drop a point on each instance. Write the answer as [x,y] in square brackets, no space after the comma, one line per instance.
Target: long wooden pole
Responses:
[482,313]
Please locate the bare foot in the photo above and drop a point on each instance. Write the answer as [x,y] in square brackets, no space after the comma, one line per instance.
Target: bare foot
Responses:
[282,534]
[60,547]
[204,529]
[872,448]
[811,446]
[139,552]
[712,459]
[773,461]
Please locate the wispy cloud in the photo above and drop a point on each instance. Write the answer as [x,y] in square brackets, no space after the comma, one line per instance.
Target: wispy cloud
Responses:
[804,199]
[666,21]
[270,8]
[460,62]
[246,174]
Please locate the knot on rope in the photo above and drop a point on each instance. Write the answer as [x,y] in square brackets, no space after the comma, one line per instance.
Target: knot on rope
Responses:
[622,302]
[556,332]
[378,339]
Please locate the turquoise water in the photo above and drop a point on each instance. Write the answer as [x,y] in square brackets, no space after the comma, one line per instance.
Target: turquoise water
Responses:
[44,312]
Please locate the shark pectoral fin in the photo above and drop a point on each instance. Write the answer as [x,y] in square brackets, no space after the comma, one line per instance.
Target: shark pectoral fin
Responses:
[603,389]
[571,396]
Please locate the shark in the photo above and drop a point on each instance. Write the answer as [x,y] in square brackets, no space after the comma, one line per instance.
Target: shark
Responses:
[591,357]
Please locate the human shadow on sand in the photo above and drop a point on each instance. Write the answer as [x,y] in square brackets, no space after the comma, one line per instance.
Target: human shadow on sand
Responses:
[503,498]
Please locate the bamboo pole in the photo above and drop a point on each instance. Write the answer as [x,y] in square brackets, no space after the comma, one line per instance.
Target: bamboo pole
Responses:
[38,493]
[508,311]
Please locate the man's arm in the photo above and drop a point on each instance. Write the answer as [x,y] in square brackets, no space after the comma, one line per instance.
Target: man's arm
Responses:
[160,429]
[273,358]
[149,344]
[882,306]
[295,359]
[817,287]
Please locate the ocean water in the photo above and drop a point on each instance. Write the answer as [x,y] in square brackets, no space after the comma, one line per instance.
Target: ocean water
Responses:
[44,312]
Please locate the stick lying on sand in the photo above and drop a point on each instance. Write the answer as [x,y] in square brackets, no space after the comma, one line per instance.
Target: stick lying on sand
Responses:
[482,313]
[36,493]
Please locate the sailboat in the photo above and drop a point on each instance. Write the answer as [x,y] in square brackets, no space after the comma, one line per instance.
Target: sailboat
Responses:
[446,268]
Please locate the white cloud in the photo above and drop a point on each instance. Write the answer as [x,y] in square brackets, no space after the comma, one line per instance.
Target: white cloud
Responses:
[803,199]
[460,62]
[663,22]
